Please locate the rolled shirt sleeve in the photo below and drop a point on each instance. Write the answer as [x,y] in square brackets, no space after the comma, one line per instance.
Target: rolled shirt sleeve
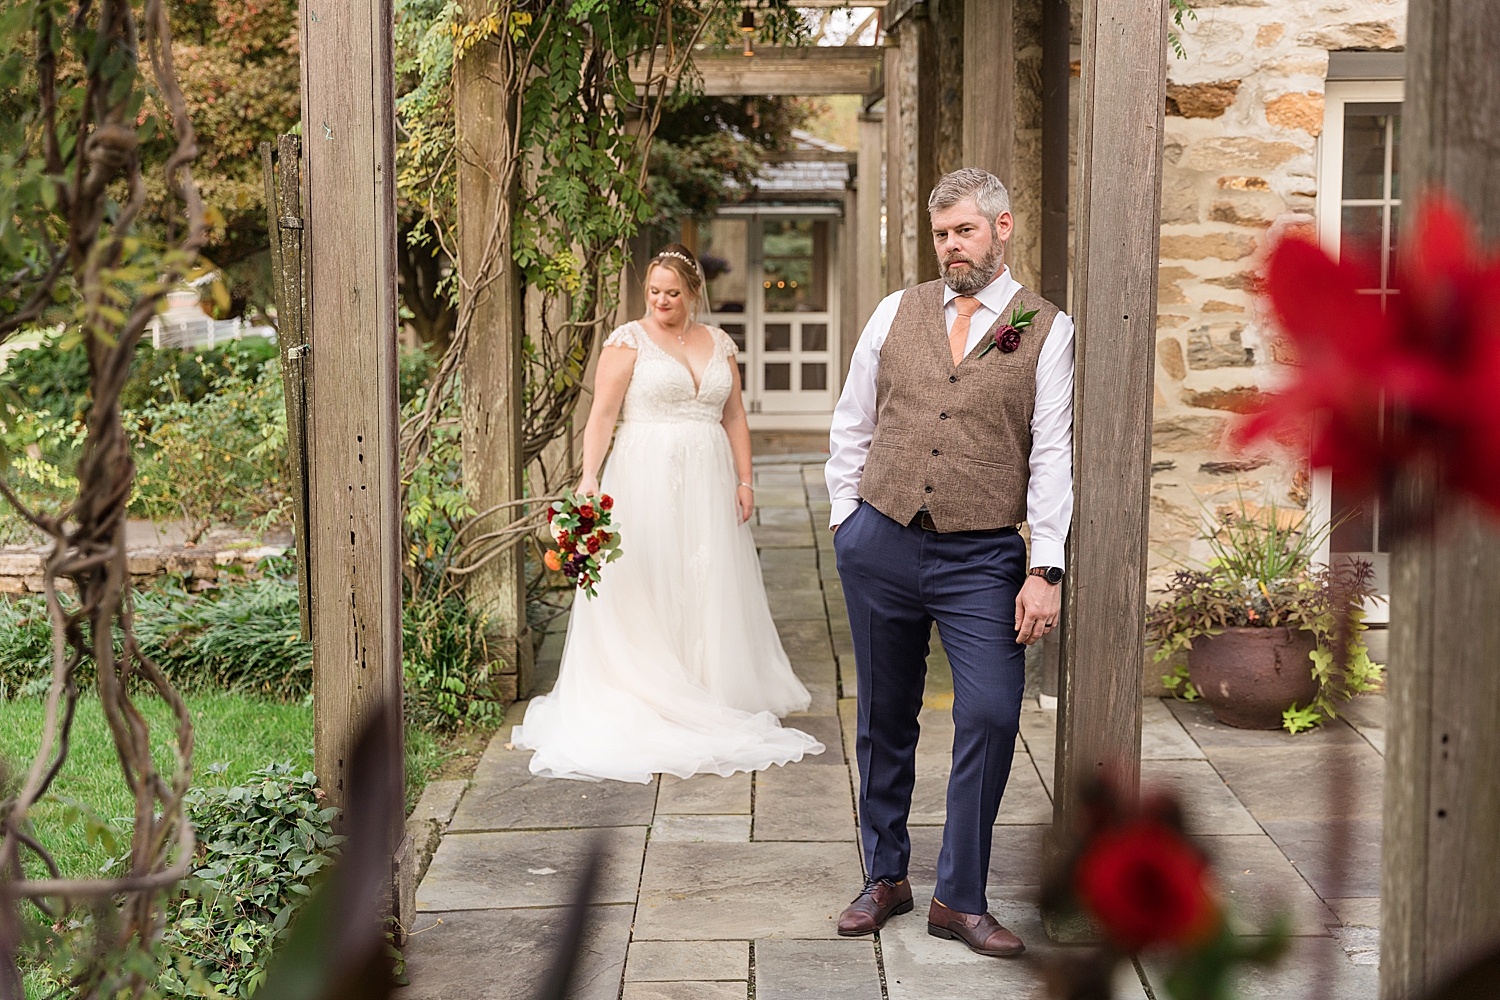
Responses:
[853,425]
[1049,492]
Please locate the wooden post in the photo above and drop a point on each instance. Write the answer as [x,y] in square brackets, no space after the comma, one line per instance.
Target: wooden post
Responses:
[1119,186]
[923,35]
[868,284]
[492,421]
[1440,872]
[349,233]
[989,87]
[895,159]
[1056,43]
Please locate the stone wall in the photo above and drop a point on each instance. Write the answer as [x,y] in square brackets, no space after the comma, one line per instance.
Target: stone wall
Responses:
[1244,110]
[21,568]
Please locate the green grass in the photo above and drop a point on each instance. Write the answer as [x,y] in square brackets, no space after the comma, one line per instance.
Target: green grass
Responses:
[240,732]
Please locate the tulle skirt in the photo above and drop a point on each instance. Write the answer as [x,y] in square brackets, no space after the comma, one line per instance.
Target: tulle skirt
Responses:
[676,667]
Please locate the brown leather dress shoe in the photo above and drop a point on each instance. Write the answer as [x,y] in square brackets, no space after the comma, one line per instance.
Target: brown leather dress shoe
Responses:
[876,903]
[981,932]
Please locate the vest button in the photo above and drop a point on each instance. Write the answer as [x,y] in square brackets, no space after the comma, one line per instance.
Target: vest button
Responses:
[934,451]
[942,416]
[952,378]
[928,489]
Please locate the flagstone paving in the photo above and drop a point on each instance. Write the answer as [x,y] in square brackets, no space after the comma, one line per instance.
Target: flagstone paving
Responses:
[730,888]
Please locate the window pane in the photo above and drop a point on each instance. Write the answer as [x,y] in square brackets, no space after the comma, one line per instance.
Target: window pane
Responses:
[1395,156]
[1360,237]
[1392,258]
[722,255]
[815,336]
[814,376]
[779,376]
[795,255]
[742,374]
[736,333]
[1364,156]
[778,336]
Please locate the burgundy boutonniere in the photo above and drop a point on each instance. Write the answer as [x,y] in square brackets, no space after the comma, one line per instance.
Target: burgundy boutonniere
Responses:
[1008,334]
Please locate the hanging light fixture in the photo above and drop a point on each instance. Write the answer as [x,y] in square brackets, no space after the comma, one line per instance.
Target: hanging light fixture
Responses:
[747,25]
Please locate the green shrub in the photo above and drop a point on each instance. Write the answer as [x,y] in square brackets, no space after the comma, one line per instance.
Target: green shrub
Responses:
[243,638]
[218,459]
[447,667]
[261,848]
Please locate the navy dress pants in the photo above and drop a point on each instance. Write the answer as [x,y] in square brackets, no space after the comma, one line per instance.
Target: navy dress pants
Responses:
[899,579]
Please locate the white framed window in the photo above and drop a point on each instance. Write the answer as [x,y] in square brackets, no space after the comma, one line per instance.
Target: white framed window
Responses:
[1359,215]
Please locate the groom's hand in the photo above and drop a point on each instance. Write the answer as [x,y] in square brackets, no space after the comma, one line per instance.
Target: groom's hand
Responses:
[1037,607]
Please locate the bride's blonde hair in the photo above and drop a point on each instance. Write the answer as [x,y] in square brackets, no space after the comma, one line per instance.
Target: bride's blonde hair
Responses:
[680,261]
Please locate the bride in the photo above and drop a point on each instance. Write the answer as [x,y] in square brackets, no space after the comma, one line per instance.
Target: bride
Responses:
[676,666]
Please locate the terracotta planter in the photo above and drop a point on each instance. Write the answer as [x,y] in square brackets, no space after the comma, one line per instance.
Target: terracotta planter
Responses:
[1249,676]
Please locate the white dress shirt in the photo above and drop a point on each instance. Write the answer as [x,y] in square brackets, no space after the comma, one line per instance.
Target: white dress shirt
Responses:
[1049,493]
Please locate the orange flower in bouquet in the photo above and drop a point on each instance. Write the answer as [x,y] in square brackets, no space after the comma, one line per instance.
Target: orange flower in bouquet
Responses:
[582,527]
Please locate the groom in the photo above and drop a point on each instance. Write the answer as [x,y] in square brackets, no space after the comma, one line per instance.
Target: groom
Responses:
[955,425]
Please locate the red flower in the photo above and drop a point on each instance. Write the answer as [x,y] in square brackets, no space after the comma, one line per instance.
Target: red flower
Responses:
[1432,355]
[593,544]
[607,502]
[1007,338]
[550,514]
[1147,885]
[586,511]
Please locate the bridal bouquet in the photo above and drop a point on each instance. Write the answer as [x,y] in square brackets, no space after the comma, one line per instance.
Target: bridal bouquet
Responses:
[581,524]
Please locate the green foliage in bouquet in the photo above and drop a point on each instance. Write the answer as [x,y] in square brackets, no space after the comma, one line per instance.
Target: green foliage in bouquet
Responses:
[1261,574]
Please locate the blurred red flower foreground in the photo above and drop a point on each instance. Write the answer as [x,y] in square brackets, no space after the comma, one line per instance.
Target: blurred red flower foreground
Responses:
[1147,885]
[1432,358]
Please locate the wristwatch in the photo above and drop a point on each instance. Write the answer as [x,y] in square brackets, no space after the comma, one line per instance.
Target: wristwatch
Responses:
[1052,574]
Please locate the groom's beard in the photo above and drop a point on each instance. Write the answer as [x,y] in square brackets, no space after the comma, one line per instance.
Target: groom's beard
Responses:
[968,280]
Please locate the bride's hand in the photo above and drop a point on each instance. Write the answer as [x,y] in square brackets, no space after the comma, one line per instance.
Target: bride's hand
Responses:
[745,497]
[588,486]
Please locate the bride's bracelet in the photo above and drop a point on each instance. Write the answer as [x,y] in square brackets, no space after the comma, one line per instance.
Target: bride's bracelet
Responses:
[748,487]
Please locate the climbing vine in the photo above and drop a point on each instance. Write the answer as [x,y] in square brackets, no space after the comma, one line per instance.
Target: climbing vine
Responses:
[586,84]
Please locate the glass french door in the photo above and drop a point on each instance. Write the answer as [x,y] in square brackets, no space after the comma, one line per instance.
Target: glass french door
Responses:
[1359,218]
[770,290]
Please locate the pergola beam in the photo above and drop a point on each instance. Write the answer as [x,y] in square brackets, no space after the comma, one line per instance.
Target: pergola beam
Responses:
[1118,241]
[1440,856]
[349,159]
[774,71]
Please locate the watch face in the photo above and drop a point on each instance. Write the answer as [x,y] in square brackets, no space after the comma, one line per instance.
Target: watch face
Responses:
[1054,574]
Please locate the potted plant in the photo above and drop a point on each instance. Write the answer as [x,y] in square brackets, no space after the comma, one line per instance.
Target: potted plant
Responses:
[1261,621]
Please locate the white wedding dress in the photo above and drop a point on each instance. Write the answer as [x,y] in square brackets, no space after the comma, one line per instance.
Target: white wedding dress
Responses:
[676,666]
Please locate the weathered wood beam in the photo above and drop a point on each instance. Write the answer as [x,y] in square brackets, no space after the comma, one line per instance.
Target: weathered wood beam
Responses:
[895,168]
[808,71]
[989,87]
[1440,866]
[1056,44]
[920,32]
[349,151]
[488,188]
[869,284]
[811,156]
[1119,207]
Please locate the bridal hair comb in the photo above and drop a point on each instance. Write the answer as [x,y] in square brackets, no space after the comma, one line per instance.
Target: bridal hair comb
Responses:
[679,256]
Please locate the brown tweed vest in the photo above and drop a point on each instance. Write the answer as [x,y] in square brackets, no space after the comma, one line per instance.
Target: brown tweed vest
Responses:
[956,440]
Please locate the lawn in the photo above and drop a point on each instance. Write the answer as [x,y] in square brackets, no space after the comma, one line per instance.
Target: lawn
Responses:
[235,731]
[239,733]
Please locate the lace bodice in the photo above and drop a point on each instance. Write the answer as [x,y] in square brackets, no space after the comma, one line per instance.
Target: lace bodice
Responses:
[661,387]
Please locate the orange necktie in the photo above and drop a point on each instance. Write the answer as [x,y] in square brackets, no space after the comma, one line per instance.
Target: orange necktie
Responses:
[958,340]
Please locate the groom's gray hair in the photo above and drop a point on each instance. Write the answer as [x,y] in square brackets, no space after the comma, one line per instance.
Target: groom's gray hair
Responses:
[989,195]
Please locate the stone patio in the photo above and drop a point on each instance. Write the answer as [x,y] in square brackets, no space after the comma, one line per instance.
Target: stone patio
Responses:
[728,888]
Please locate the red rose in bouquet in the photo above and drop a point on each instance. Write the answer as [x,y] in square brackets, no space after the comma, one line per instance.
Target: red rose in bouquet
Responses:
[583,544]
